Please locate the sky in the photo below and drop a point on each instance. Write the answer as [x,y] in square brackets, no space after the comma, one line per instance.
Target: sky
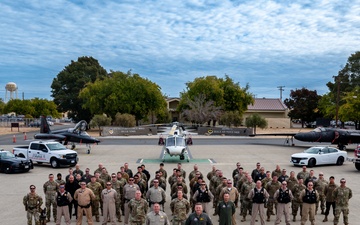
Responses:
[265,44]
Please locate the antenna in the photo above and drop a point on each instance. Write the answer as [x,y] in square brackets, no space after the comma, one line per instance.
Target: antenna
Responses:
[281,88]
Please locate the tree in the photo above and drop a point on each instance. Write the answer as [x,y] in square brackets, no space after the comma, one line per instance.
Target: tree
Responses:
[44,107]
[231,118]
[99,121]
[256,120]
[303,104]
[70,81]
[124,93]
[124,120]
[222,92]
[346,80]
[200,111]
[2,105]
[350,110]
[20,107]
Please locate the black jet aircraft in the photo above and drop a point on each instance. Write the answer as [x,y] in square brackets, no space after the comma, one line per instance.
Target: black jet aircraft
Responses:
[341,137]
[74,135]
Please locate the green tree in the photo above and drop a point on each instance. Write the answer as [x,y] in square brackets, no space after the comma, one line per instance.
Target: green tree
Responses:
[346,80]
[230,118]
[124,93]
[70,81]
[99,121]
[20,107]
[2,105]
[256,120]
[44,107]
[124,120]
[350,110]
[223,93]
[303,104]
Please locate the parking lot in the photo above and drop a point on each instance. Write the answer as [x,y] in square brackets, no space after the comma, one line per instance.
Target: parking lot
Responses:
[15,186]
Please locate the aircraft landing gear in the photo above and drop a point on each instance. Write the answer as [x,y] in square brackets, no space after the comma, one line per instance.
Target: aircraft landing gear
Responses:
[88,151]
[341,147]
[73,146]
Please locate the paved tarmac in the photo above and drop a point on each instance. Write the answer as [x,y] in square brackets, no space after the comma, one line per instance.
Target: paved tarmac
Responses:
[14,186]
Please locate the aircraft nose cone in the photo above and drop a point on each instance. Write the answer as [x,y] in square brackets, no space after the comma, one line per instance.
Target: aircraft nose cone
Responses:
[299,136]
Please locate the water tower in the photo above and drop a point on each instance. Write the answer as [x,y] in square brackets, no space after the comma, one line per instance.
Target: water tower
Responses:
[10,87]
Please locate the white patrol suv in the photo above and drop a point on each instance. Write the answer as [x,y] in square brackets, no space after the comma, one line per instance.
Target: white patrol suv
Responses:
[47,152]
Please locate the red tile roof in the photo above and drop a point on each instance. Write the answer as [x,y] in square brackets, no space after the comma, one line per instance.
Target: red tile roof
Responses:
[267,104]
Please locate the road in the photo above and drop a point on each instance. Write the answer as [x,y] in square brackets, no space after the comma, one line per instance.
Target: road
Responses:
[226,151]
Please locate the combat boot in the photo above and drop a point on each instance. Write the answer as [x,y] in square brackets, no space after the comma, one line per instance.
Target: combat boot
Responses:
[243,219]
[294,218]
[97,218]
[325,219]
[268,219]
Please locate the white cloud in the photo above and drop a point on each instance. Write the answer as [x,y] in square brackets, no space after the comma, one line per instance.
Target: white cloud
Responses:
[180,40]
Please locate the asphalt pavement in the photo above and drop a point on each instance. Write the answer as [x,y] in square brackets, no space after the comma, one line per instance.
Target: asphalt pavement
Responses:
[226,151]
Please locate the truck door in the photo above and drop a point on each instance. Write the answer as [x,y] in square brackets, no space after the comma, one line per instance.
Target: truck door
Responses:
[38,152]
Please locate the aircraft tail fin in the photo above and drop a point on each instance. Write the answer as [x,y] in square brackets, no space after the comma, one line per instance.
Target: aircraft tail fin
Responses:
[44,126]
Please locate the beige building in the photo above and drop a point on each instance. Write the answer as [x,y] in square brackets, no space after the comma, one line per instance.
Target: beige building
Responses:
[272,109]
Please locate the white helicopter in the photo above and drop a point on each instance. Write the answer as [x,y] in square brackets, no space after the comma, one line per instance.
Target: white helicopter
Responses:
[176,144]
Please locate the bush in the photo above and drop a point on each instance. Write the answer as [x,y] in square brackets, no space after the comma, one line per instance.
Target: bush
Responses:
[124,120]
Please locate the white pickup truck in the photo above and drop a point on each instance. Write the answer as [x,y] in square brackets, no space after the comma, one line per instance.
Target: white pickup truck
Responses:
[47,152]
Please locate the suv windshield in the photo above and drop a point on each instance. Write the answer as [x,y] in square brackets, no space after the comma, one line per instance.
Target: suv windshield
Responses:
[56,147]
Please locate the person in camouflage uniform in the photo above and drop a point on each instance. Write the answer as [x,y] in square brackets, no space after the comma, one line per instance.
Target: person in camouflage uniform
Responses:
[218,189]
[180,207]
[276,172]
[342,194]
[161,169]
[211,173]
[50,188]
[271,187]
[304,174]
[138,209]
[117,186]
[96,189]
[320,185]
[244,195]
[330,201]
[296,202]
[267,179]
[291,181]
[32,203]
[122,181]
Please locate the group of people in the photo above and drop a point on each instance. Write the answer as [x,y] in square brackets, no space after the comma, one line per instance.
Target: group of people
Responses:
[141,199]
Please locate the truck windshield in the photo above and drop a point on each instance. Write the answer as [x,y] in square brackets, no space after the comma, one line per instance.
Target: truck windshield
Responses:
[56,147]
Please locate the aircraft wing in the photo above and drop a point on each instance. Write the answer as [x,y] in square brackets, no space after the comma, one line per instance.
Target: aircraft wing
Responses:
[274,134]
[51,136]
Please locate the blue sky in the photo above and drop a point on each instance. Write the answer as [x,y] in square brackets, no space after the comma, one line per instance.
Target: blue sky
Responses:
[263,43]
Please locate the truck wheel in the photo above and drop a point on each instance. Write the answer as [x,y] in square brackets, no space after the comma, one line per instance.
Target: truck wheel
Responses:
[311,162]
[357,166]
[340,161]
[54,163]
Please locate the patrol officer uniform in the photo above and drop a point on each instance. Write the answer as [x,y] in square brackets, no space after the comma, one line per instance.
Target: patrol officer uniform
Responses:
[203,196]
[179,209]
[84,196]
[138,210]
[109,199]
[309,199]
[342,196]
[160,218]
[95,203]
[50,188]
[32,203]
[156,195]
[259,198]
[283,197]
[63,200]
[129,193]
